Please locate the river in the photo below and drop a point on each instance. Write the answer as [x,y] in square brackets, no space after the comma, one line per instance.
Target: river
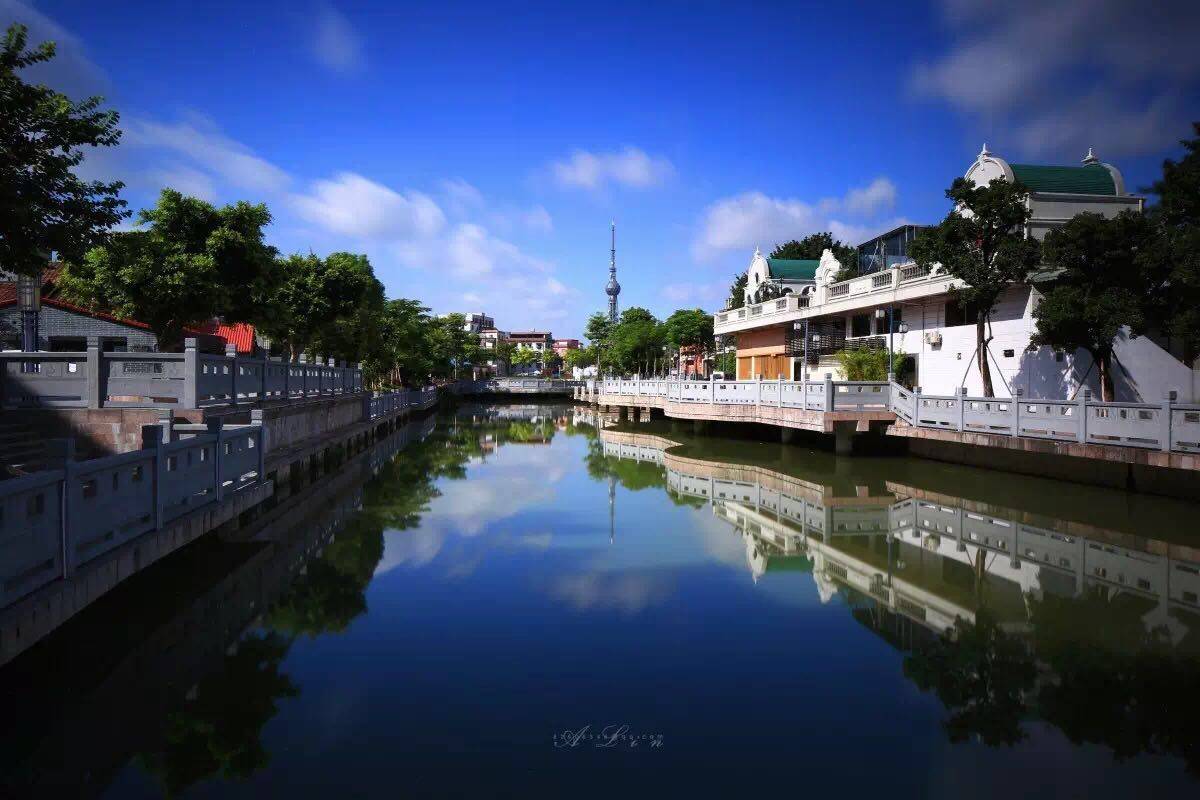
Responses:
[517,599]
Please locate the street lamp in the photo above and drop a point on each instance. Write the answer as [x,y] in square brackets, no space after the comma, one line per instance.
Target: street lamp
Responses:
[29,299]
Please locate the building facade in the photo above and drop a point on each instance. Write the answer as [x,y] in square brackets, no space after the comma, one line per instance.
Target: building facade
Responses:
[912,310]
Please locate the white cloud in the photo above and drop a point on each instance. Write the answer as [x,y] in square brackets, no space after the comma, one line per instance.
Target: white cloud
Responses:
[356,206]
[198,139]
[628,167]
[336,44]
[754,219]
[878,195]
[1060,77]
[460,196]
[70,71]
[700,295]
[538,219]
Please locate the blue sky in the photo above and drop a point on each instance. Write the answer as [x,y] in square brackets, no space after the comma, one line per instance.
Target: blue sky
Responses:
[477,151]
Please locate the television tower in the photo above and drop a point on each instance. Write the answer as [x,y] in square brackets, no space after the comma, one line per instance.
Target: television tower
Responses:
[613,289]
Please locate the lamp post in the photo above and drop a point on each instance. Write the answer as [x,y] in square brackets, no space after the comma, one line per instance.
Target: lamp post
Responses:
[29,299]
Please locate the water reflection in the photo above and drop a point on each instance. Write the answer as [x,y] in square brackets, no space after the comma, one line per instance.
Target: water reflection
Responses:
[1005,614]
[538,564]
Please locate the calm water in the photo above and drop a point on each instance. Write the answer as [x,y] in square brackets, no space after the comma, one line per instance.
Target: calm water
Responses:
[517,601]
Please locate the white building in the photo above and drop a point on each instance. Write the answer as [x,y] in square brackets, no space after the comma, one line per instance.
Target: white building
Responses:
[817,317]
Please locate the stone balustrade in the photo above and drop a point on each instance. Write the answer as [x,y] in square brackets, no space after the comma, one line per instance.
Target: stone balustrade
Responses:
[187,380]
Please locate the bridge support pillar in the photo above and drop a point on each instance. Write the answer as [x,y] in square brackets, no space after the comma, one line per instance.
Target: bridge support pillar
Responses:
[623,413]
[787,435]
[843,439]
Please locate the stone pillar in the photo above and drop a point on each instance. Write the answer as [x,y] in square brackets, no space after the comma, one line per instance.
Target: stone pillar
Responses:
[95,380]
[843,439]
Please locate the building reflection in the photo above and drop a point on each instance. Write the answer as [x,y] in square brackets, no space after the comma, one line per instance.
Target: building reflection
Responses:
[1005,614]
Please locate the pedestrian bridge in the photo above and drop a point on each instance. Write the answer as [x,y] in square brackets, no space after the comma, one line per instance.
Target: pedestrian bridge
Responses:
[500,386]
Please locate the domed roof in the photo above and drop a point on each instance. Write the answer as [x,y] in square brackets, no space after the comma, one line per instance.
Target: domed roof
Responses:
[613,288]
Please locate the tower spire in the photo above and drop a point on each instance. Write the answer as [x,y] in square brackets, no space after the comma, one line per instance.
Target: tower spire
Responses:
[613,288]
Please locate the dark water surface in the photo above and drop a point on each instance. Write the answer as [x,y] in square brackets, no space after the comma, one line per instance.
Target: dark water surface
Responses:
[516,602]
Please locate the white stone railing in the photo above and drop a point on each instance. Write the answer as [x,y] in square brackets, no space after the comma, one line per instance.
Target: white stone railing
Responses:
[1167,426]
[827,395]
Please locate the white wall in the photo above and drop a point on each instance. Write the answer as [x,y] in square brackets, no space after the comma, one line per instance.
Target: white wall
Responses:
[1144,371]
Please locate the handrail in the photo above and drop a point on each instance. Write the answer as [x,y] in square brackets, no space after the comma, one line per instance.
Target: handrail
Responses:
[1168,426]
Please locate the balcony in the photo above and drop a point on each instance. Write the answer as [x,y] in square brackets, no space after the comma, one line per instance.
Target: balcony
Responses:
[901,282]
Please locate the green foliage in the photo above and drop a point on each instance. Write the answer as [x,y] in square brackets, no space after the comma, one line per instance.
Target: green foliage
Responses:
[868,364]
[982,243]
[1174,279]
[1101,287]
[737,291]
[814,245]
[636,343]
[581,357]
[44,206]
[689,328]
[189,263]
[525,356]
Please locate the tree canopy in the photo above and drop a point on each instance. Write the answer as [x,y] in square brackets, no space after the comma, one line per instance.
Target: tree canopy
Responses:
[1100,289]
[44,206]
[982,243]
[187,263]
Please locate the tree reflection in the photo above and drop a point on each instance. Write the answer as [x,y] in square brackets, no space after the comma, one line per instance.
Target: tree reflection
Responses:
[216,730]
[981,674]
[1117,681]
[1104,676]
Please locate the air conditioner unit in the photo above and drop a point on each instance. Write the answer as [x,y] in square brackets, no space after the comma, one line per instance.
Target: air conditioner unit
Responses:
[933,339]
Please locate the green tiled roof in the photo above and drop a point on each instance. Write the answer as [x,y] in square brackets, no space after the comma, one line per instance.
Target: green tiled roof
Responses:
[789,564]
[794,269]
[1092,179]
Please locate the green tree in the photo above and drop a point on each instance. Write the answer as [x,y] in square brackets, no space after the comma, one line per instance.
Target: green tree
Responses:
[1173,277]
[191,262]
[598,331]
[637,341]
[451,344]
[737,291]
[1100,289]
[404,357]
[44,206]
[317,303]
[981,242]
[689,328]
[503,353]
[869,364]
[581,357]
[814,245]
[524,357]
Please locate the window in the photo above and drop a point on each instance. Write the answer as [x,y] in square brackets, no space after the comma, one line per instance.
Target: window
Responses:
[115,344]
[1009,353]
[860,325]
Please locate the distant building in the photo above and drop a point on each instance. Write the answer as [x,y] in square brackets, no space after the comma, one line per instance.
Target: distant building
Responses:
[535,340]
[477,322]
[65,327]
[561,346]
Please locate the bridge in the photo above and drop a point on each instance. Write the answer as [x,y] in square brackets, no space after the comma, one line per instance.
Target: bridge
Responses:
[503,386]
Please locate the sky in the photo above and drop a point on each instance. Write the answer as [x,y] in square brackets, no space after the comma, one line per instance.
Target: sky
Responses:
[477,151]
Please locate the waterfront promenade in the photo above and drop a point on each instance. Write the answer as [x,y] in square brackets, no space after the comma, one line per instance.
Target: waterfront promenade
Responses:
[1152,447]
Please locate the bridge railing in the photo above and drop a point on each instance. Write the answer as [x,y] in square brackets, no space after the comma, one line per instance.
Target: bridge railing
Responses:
[385,404]
[55,521]
[191,379]
[1166,426]
[827,395]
